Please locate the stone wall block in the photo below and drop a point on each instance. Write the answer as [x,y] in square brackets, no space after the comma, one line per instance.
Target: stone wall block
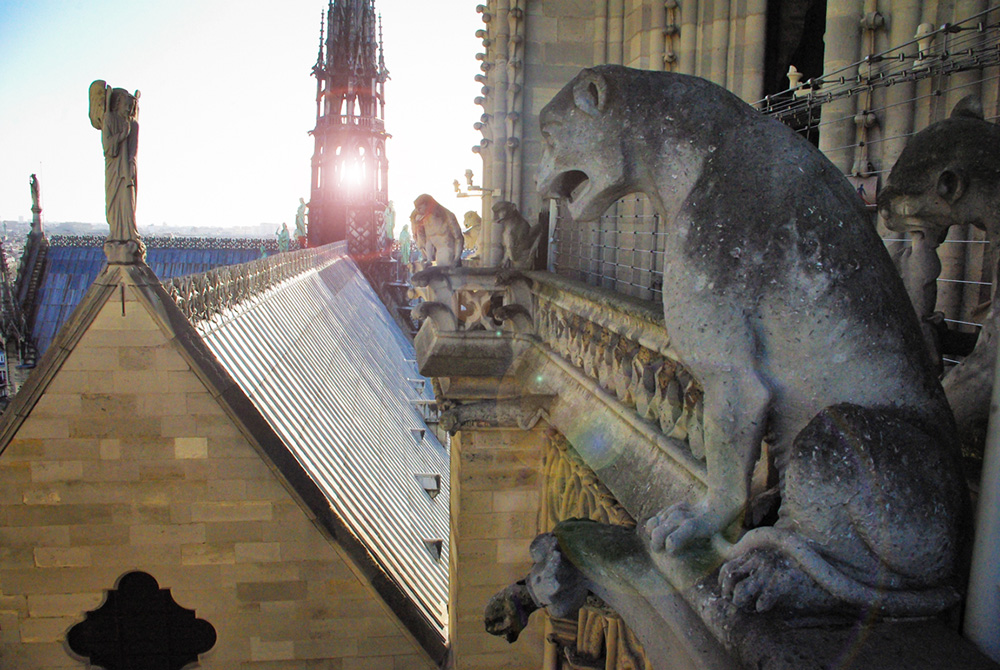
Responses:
[135,318]
[98,535]
[53,405]
[110,449]
[137,358]
[57,515]
[110,471]
[99,427]
[56,471]
[62,557]
[378,663]
[92,359]
[322,649]
[271,650]
[191,447]
[21,449]
[58,449]
[193,533]
[29,581]
[163,404]
[44,428]
[47,629]
[258,552]
[202,403]
[76,382]
[517,500]
[207,554]
[10,629]
[569,8]
[234,532]
[167,358]
[266,591]
[63,604]
[251,510]
[113,339]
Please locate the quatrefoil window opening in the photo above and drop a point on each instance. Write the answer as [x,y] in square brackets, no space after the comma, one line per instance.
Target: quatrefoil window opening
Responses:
[141,627]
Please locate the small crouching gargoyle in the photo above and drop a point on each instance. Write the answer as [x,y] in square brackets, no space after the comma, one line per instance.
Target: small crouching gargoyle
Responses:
[949,174]
[115,112]
[792,318]
[519,238]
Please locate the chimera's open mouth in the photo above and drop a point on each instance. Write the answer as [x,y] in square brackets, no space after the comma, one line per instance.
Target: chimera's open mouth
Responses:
[569,184]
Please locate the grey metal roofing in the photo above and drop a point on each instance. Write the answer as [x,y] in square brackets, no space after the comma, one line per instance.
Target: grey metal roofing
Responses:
[74,262]
[322,360]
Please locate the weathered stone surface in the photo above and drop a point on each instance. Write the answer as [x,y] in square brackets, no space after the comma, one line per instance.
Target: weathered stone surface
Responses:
[787,313]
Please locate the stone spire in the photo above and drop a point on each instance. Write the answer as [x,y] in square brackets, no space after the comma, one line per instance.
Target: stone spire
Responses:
[349,167]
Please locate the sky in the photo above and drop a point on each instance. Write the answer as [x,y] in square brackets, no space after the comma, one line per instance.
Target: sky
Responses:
[227,100]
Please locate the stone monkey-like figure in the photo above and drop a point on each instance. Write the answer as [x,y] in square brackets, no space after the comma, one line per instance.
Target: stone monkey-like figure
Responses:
[519,239]
[437,232]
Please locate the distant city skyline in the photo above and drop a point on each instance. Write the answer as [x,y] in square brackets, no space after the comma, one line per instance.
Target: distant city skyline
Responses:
[227,102]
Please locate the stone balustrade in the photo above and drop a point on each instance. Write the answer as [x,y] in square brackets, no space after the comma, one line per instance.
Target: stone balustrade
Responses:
[203,296]
[512,347]
[623,346]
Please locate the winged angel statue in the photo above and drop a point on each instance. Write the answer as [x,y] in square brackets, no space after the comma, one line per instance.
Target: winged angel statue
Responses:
[115,112]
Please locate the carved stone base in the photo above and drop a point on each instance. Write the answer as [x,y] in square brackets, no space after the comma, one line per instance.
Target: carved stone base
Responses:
[124,252]
[675,608]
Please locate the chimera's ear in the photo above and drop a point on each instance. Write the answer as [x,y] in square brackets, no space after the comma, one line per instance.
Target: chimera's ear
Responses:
[969,107]
[590,92]
[951,185]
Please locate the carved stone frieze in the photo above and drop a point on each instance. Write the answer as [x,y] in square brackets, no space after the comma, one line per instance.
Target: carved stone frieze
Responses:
[598,639]
[571,490]
[642,376]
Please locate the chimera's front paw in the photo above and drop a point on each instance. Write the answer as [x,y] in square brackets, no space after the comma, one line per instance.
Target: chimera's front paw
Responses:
[758,580]
[675,528]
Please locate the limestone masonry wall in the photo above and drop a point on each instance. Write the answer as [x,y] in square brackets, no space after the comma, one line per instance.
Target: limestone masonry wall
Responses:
[127,463]
[495,489]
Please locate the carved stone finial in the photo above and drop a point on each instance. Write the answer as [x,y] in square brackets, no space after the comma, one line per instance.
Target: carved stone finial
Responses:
[36,208]
[115,113]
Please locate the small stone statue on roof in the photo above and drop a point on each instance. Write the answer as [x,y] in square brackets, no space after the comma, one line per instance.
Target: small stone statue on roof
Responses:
[36,208]
[115,112]
[404,245]
[389,220]
[283,237]
[300,224]
[34,193]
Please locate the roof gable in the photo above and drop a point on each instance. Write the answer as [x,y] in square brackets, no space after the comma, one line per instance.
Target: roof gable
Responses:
[113,297]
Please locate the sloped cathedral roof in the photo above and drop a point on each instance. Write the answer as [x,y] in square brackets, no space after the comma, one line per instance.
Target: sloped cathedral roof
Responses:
[314,370]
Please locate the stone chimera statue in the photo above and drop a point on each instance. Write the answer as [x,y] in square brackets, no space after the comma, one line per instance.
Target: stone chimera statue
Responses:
[949,174]
[793,319]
